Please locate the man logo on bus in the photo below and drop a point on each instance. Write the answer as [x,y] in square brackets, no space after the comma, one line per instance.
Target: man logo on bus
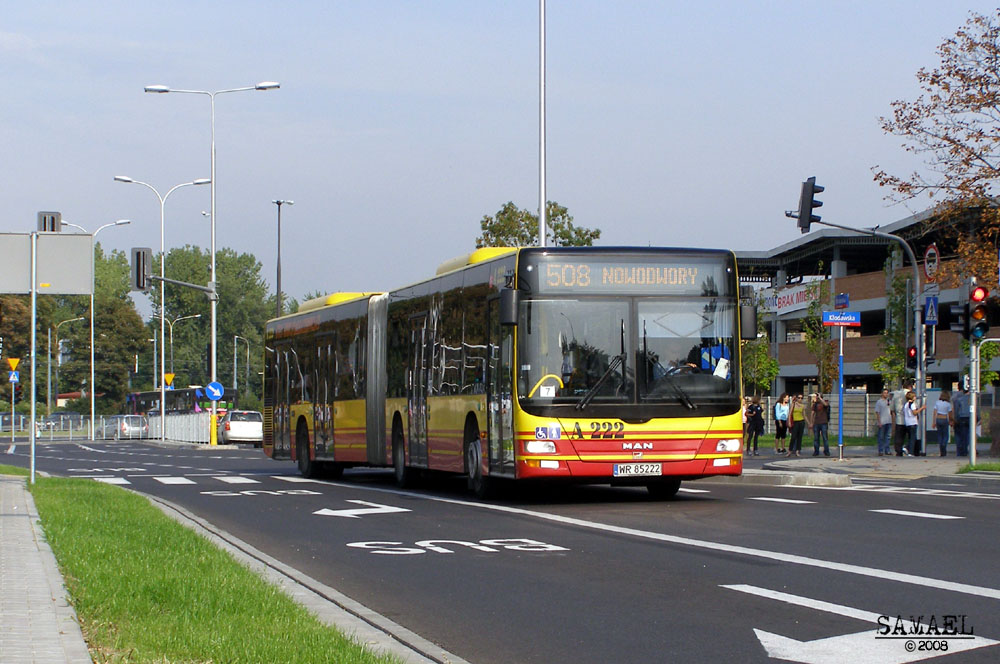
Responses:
[548,433]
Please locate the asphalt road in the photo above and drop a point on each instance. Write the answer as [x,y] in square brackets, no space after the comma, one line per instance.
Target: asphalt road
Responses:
[725,572]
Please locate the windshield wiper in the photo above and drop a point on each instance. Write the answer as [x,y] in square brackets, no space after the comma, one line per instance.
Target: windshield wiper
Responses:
[592,392]
[616,361]
[681,394]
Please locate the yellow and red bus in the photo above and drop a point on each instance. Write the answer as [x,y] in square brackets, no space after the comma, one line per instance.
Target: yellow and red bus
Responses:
[608,365]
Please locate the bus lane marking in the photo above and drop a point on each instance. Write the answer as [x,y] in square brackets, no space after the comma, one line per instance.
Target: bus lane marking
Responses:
[434,546]
[373,508]
[866,646]
[776,556]
[922,515]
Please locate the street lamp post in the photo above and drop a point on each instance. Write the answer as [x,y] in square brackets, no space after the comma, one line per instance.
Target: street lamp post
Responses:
[235,337]
[279,203]
[93,285]
[162,89]
[58,357]
[163,289]
[171,323]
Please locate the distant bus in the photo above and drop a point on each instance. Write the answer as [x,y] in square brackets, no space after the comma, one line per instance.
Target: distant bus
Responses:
[183,400]
[610,365]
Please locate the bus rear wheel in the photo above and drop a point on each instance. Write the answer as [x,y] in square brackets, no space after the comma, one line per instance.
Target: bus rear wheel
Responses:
[479,484]
[663,489]
[404,475]
[307,468]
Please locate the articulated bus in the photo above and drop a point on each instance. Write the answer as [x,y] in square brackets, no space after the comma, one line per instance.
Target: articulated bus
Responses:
[602,365]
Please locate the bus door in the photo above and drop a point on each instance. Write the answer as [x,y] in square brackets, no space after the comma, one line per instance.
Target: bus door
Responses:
[420,359]
[499,395]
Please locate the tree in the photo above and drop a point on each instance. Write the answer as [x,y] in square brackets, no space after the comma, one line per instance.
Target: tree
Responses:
[513,227]
[818,341]
[892,362]
[955,126]
[759,368]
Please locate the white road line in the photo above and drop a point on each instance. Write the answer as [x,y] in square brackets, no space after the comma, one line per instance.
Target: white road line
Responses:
[922,515]
[238,480]
[173,480]
[684,490]
[295,479]
[777,556]
[782,500]
[909,490]
[807,602]
[111,480]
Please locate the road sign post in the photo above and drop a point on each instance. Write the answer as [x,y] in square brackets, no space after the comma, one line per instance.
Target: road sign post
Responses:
[214,392]
[841,319]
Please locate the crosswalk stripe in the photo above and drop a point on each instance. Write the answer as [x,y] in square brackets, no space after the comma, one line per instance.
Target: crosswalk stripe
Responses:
[173,480]
[112,480]
[237,479]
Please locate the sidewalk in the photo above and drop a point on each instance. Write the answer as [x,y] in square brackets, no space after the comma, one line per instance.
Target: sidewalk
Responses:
[37,624]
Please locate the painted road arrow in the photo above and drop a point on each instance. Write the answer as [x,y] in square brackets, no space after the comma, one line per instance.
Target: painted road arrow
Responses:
[373,508]
[861,647]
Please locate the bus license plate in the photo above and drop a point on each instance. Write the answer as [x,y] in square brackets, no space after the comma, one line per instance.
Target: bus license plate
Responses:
[637,469]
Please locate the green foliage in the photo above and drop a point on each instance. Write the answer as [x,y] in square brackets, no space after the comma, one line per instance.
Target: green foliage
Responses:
[891,363]
[818,341]
[759,368]
[514,227]
[987,352]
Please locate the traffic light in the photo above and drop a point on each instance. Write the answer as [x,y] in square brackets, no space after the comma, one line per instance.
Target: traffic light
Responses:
[978,321]
[17,391]
[807,201]
[911,357]
[142,269]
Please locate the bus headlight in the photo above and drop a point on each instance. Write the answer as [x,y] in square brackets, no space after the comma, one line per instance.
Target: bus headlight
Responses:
[540,447]
[731,445]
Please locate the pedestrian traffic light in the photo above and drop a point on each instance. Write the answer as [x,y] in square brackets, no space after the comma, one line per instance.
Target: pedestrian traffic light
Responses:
[17,391]
[911,357]
[978,323]
[807,201]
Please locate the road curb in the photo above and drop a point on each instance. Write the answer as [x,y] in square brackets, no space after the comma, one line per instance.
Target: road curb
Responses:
[785,478]
[366,627]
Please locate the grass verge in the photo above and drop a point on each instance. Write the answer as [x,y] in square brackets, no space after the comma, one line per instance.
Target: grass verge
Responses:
[14,470]
[993,466]
[147,589]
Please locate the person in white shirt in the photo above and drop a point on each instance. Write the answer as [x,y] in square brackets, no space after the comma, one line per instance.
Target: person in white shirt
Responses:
[910,412]
[943,419]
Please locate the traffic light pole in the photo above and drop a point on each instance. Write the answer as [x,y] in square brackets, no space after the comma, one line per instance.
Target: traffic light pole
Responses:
[920,370]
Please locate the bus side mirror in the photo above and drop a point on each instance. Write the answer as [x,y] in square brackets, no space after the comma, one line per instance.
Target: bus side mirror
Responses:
[748,322]
[510,298]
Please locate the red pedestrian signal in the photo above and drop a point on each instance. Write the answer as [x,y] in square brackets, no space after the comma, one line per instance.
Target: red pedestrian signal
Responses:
[911,357]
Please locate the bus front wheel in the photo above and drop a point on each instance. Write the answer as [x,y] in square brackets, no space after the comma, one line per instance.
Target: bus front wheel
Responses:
[663,489]
[478,483]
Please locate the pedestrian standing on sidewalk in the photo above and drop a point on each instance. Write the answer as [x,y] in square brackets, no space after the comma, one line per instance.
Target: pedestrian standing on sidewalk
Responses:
[755,423]
[821,422]
[943,420]
[910,421]
[899,427]
[883,415]
[781,423]
[797,424]
[960,411]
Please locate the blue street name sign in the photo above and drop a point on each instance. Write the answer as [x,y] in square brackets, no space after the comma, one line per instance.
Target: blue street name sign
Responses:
[842,318]
[842,301]
[214,391]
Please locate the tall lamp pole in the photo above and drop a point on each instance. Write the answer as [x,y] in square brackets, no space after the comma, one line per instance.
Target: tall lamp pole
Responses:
[163,290]
[279,203]
[171,323]
[93,287]
[58,357]
[162,89]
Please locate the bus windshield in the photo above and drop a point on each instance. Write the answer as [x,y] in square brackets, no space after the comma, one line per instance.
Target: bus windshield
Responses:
[651,353]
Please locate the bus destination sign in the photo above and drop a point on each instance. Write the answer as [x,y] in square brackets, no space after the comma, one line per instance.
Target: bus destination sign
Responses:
[572,274]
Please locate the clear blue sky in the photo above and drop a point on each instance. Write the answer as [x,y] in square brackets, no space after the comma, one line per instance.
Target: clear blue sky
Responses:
[399,124]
